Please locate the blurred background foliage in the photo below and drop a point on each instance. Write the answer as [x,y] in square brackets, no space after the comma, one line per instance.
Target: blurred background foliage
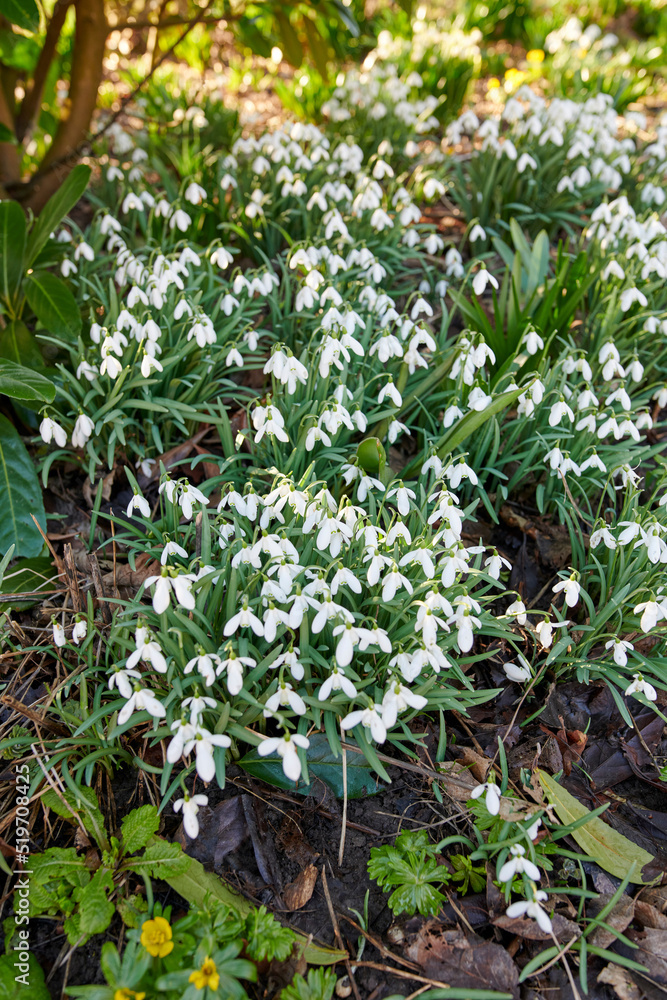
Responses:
[67,66]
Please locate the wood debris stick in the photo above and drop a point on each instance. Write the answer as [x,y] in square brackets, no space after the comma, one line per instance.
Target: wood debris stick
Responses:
[99,588]
[30,713]
[72,577]
[337,934]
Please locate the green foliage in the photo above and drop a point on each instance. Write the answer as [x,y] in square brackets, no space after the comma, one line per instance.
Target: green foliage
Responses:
[20,495]
[63,885]
[467,876]
[265,938]
[411,869]
[319,985]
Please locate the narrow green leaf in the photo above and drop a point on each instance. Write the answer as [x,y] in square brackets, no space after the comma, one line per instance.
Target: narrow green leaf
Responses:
[20,495]
[53,304]
[12,248]
[20,382]
[56,209]
[610,849]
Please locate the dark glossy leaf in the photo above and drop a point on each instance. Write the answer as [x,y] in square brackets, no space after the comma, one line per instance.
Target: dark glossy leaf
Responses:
[18,344]
[12,248]
[20,495]
[23,13]
[19,382]
[56,209]
[322,764]
[53,304]
[28,576]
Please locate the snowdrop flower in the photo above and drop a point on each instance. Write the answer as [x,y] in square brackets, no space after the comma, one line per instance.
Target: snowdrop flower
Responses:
[195,194]
[519,673]
[370,718]
[397,699]
[206,665]
[79,631]
[558,411]
[189,495]
[83,429]
[190,806]
[233,667]
[572,589]
[286,747]
[51,431]
[481,280]
[111,366]
[244,619]
[284,696]
[630,296]
[652,612]
[403,496]
[58,634]
[148,650]
[138,503]
[518,609]
[478,399]
[532,341]
[477,233]
[180,220]
[204,744]
[494,565]
[389,389]
[620,650]
[493,796]
[532,908]
[640,686]
[517,865]
[336,681]
[180,584]
[141,699]
[172,549]
[602,534]
[197,705]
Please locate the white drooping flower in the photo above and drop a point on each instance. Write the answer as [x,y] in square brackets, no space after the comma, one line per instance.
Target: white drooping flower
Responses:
[287,747]
[492,796]
[190,805]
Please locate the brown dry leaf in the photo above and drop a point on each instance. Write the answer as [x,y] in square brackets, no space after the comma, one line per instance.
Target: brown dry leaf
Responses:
[651,951]
[449,957]
[649,916]
[656,895]
[564,929]
[457,781]
[619,919]
[299,892]
[90,489]
[478,766]
[619,980]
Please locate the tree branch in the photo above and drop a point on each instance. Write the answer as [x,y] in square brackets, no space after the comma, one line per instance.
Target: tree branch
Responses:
[31,102]
[10,162]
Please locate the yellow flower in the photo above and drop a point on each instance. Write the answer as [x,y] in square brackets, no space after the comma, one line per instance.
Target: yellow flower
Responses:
[535,56]
[156,937]
[493,83]
[206,976]
[126,994]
